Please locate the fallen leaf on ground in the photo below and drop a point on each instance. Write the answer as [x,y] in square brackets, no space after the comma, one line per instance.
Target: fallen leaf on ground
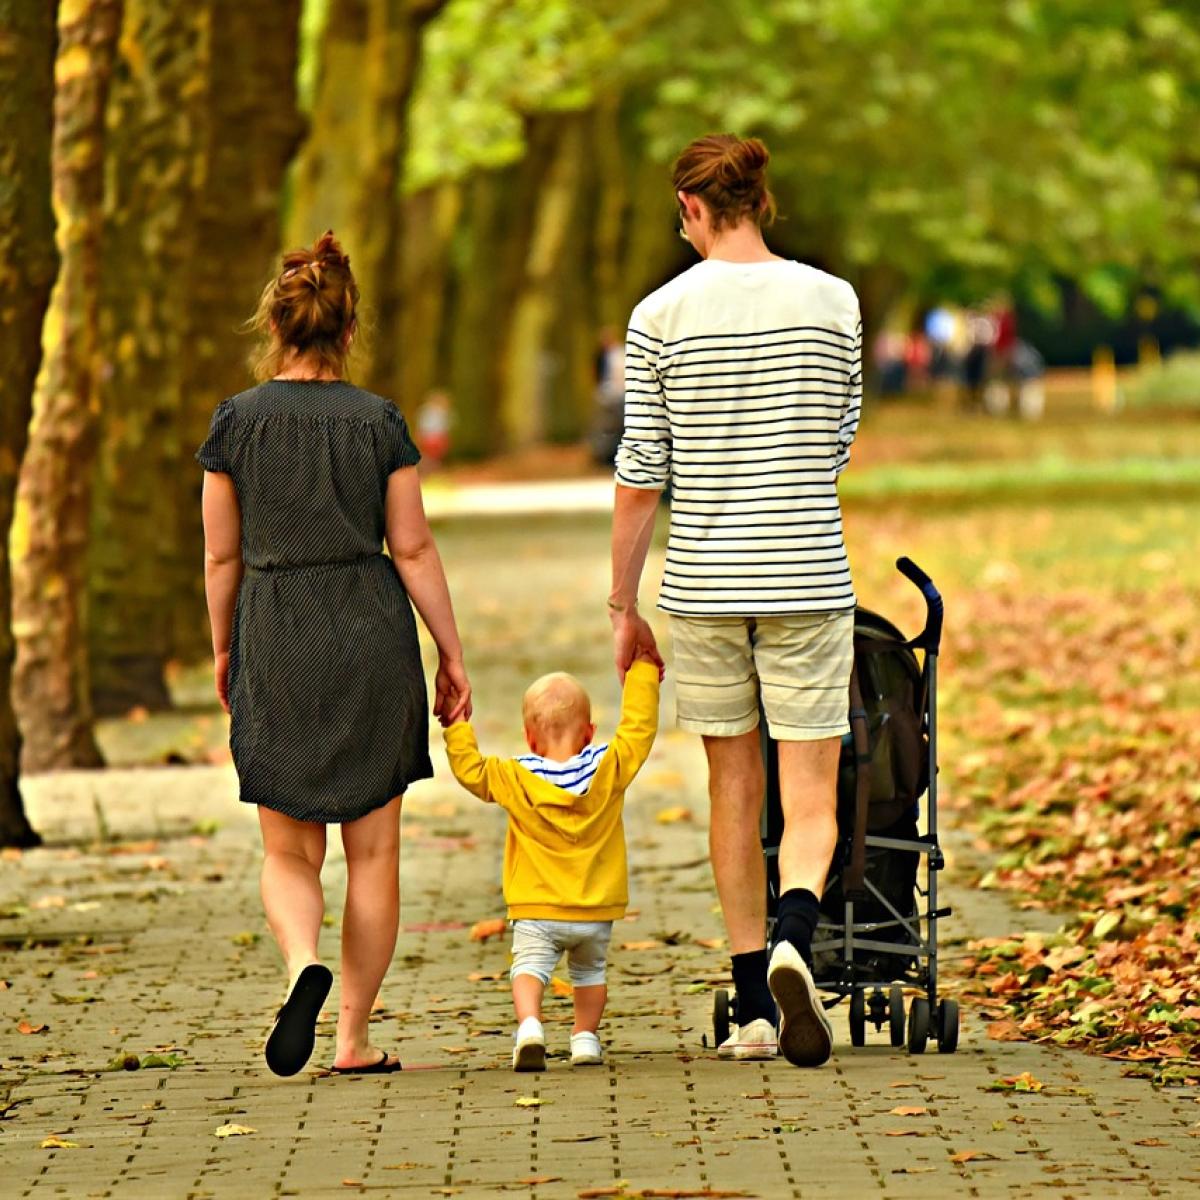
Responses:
[966,1156]
[482,930]
[57,1143]
[407,1166]
[529,1102]
[560,987]
[231,1130]
[30,1027]
[534,1180]
[904,1133]
[1006,1030]
[1151,1141]
[908,1110]
[674,814]
[646,944]
[913,1170]
[1024,1082]
[711,943]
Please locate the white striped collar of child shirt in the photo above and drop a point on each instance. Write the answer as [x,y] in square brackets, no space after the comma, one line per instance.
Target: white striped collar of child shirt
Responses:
[572,775]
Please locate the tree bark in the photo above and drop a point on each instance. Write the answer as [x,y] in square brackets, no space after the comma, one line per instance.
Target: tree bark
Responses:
[534,376]
[349,171]
[430,220]
[51,693]
[28,262]
[151,161]
[496,228]
[323,186]
[248,128]
[394,33]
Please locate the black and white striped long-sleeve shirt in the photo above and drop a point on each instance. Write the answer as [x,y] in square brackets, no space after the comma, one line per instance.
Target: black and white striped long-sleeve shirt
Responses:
[743,387]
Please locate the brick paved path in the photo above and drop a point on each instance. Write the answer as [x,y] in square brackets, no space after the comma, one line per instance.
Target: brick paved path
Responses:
[154,941]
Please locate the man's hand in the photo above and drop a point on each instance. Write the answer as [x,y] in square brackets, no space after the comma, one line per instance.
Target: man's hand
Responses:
[633,639]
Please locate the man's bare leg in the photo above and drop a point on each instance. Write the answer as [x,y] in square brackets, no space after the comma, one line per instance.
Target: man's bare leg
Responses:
[736,782]
[808,795]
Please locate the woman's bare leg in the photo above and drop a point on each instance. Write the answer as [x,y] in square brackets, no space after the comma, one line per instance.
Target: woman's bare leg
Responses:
[291,886]
[369,925]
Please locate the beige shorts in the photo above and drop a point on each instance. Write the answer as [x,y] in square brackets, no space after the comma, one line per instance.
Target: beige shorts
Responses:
[800,663]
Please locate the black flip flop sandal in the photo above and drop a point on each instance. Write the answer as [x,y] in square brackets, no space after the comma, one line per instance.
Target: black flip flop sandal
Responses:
[290,1045]
[385,1066]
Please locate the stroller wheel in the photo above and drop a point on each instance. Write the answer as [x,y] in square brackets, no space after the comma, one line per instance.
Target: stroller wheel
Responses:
[947,1026]
[918,1025]
[858,1018]
[721,1008]
[896,1014]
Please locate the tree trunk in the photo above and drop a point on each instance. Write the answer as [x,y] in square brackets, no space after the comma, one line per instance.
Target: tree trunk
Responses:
[534,375]
[430,219]
[323,187]
[394,32]
[28,261]
[348,174]
[51,693]
[496,229]
[248,130]
[153,136]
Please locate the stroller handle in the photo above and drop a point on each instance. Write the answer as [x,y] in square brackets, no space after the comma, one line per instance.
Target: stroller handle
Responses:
[930,638]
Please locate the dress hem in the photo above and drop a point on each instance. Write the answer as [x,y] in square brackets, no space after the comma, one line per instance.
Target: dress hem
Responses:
[338,818]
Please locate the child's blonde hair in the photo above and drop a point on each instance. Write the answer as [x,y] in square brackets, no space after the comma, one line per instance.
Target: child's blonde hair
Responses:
[556,704]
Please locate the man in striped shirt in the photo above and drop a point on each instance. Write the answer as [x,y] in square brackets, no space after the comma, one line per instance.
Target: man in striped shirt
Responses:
[743,389]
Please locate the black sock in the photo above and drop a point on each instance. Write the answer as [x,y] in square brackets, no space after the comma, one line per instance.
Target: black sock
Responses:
[750,982]
[796,920]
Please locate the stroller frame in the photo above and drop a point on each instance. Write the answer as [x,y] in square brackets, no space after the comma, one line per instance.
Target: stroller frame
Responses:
[851,940]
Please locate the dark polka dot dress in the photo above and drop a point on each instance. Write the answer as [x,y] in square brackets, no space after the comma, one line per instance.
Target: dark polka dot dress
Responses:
[326,690]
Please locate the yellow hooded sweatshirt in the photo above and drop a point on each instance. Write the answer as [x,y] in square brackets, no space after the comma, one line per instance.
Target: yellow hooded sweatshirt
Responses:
[564,857]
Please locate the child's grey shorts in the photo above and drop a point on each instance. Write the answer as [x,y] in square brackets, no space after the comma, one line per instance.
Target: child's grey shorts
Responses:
[538,945]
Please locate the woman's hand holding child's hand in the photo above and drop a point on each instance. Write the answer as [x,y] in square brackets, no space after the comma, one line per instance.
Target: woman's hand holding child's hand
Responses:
[452,699]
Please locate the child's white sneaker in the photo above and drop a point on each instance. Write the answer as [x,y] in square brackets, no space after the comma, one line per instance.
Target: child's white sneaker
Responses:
[529,1052]
[586,1050]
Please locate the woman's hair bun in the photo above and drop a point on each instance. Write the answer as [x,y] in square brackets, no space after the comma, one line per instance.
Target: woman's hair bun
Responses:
[310,308]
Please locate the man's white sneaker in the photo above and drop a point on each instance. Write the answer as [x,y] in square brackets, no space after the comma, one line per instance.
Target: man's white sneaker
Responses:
[753,1040]
[529,1052]
[586,1050]
[805,1035]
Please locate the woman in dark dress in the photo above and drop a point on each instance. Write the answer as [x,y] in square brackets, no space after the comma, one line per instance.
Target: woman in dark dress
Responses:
[315,642]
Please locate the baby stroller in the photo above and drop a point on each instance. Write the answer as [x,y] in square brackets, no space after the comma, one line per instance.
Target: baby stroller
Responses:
[870,936]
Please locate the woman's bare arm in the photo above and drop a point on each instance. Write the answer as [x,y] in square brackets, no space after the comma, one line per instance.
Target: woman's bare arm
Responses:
[415,555]
[222,518]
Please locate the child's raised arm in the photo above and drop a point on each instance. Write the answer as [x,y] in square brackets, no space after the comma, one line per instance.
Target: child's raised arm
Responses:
[639,720]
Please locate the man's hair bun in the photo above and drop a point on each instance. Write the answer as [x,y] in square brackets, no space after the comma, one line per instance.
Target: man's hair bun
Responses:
[730,174]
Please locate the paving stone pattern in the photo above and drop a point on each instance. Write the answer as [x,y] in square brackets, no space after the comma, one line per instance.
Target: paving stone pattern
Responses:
[132,933]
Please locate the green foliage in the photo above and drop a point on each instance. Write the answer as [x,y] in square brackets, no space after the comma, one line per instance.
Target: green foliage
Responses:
[490,64]
[1174,383]
[962,146]
[986,143]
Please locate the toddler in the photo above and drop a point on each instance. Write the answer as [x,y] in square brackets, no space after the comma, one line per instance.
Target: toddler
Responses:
[565,878]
